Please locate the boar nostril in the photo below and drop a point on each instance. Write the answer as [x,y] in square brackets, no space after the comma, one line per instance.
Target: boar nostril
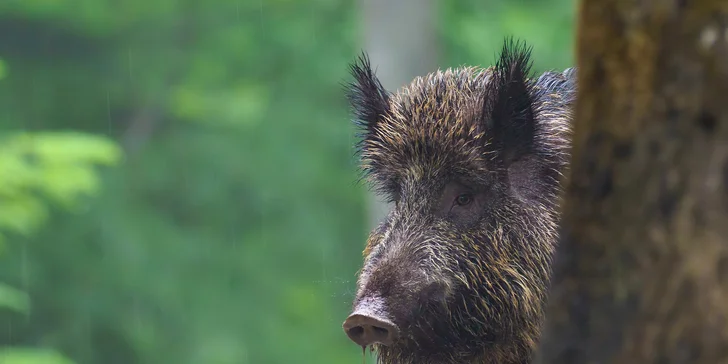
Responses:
[367,330]
[355,331]
[380,331]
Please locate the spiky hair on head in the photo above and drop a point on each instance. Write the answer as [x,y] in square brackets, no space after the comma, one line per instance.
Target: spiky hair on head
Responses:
[460,115]
[366,95]
[508,113]
[369,101]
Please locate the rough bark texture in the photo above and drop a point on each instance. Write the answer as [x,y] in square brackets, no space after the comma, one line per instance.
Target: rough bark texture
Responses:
[641,273]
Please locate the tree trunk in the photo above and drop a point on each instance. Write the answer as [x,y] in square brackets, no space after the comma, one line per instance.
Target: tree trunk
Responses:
[641,273]
[400,38]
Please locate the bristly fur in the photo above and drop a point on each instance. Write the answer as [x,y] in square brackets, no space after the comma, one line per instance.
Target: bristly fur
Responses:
[508,103]
[464,284]
[367,96]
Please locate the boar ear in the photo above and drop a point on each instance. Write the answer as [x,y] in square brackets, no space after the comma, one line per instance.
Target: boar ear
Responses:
[367,97]
[508,106]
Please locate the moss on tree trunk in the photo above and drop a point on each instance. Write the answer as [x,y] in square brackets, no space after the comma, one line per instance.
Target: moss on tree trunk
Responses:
[641,273]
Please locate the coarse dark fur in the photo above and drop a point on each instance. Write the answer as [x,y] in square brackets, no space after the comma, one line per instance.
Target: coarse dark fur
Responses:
[472,160]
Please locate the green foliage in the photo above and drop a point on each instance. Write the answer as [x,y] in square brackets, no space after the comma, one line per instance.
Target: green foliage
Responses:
[40,167]
[13,299]
[37,167]
[47,165]
[31,356]
[233,229]
[474,30]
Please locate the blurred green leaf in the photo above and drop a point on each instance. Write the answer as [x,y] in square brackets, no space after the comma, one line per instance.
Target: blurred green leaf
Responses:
[17,355]
[13,299]
[60,165]
[243,105]
[22,214]
[69,147]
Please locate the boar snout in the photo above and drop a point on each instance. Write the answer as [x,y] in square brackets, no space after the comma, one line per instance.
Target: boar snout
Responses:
[370,324]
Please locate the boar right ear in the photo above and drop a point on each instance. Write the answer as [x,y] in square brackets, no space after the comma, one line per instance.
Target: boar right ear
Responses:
[368,98]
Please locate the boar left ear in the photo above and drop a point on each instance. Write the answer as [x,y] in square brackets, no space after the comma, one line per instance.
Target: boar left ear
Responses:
[508,112]
[367,97]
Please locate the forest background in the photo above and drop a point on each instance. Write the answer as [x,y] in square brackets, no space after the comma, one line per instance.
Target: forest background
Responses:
[178,179]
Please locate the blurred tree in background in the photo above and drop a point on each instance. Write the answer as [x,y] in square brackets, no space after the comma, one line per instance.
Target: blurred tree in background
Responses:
[226,225]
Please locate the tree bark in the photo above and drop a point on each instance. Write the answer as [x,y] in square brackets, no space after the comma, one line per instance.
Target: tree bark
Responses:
[641,272]
[401,41]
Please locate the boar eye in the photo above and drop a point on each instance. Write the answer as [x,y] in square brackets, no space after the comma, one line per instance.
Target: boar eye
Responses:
[464,199]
